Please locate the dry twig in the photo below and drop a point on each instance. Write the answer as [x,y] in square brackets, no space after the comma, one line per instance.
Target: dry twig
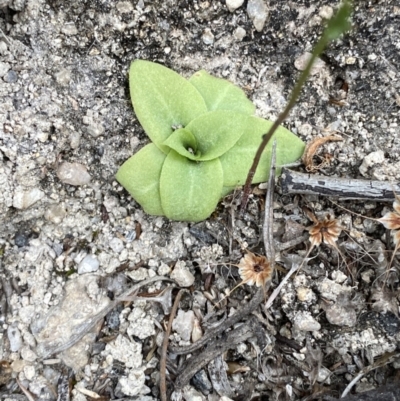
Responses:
[164,347]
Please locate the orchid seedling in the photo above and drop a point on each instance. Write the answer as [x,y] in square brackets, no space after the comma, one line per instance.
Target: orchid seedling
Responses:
[203,135]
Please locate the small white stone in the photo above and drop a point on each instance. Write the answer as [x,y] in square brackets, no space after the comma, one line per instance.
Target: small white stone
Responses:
[304,294]
[303,321]
[28,355]
[29,372]
[15,338]
[373,158]
[338,276]
[117,245]
[164,269]
[69,29]
[89,264]
[350,60]
[4,68]
[124,7]
[55,213]
[133,384]
[126,351]
[24,199]
[239,33]
[301,63]
[95,129]
[208,37]
[183,324]
[258,13]
[326,12]
[73,173]
[324,375]
[63,77]
[234,4]
[182,275]
[138,274]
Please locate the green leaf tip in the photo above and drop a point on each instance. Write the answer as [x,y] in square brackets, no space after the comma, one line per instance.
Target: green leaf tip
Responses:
[204,137]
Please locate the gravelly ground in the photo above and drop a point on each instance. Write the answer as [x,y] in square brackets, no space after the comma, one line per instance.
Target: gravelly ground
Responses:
[67,250]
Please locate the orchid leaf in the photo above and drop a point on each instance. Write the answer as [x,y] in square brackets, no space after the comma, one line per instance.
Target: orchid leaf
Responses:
[190,190]
[162,100]
[217,131]
[220,94]
[237,161]
[183,142]
[140,176]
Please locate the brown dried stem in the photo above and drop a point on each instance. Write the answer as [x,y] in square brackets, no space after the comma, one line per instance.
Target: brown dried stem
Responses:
[164,347]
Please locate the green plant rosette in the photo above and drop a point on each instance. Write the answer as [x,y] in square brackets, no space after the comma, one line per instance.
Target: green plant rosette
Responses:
[204,138]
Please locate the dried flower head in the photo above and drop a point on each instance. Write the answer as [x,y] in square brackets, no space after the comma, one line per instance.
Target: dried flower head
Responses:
[391,221]
[327,231]
[255,269]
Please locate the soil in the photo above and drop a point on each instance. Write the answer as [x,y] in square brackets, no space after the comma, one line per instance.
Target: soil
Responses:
[69,253]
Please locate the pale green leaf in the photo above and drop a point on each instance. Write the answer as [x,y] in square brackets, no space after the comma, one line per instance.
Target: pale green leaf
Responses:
[220,94]
[183,142]
[140,176]
[163,100]
[237,161]
[217,131]
[190,190]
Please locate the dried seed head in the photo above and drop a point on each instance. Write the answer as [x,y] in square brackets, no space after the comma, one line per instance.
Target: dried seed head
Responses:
[255,269]
[327,231]
[391,220]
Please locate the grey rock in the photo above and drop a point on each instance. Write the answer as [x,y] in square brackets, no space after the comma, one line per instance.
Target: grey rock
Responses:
[4,68]
[15,339]
[183,324]
[182,275]
[23,199]
[73,173]
[303,321]
[88,264]
[234,4]
[11,77]
[258,13]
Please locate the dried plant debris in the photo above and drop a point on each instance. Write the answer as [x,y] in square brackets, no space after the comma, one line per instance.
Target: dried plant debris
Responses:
[311,151]
[255,269]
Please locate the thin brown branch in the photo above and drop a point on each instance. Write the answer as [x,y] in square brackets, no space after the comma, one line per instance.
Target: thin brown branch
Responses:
[164,347]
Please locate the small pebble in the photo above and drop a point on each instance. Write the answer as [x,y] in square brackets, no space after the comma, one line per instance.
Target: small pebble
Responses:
[21,239]
[304,294]
[208,37]
[63,77]
[326,12]
[11,77]
[301,63]
[29,372]
[55,213]
[69,29]
[24,199]
[89,264]
[370,160]
[124,7]
[4,68]
[15,338]
[234,4]
[182,275]
[239,33]
[303,321]
[116,245]
[183,324]
[73,173]
[258,13]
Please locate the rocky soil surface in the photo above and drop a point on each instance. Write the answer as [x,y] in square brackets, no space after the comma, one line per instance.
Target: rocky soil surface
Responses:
[75,248]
